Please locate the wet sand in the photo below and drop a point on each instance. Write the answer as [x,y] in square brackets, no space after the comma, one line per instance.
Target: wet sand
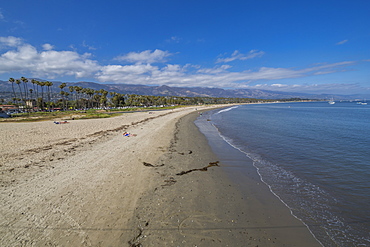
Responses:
[85,184]
[200,199]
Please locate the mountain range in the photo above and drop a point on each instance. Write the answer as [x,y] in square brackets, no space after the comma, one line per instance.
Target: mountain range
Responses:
[5,86]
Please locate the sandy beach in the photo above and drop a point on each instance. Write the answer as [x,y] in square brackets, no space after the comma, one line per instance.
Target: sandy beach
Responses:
[85,184]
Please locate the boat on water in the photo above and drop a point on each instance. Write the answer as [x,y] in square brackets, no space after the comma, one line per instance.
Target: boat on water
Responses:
[331,101]
[362,103]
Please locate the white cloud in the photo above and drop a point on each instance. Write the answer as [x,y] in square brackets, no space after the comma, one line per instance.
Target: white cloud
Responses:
[88,46]
[66,63]
[10,41]
[239,56]
[177,75]
[313,88]
[47,47]
[174,39]
[157,56]
[342,42]
[215,70]
[26,58]
[132,74]
[328,68]
[1,15]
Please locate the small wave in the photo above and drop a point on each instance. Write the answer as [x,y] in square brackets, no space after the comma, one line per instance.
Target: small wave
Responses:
[327,212]
[306,201]
[227,109]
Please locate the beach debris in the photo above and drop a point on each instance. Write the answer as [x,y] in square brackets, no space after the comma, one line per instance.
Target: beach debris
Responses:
[190,152]
[150,165]
[135,241]
[199,169]
[169,182]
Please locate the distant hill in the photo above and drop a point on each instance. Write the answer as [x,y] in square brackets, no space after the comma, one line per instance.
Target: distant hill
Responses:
[6,86]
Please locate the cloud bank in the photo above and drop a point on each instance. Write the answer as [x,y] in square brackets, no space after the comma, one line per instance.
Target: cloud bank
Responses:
[151,68]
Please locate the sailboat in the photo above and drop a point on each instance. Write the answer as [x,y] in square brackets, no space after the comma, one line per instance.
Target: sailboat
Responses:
[331,101]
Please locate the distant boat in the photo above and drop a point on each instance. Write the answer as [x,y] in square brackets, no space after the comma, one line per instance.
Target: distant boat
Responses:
[332,102]
[362,103]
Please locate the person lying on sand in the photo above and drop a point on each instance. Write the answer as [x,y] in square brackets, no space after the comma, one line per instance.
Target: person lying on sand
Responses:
[128,134]
[63,122]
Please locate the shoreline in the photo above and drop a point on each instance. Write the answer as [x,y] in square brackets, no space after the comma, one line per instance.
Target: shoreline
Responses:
[241,170]
[85,184]
[212,207]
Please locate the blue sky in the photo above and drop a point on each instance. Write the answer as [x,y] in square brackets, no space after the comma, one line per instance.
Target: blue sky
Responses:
[293,46]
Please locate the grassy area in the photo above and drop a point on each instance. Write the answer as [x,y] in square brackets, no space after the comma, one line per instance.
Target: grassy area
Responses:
[69,115]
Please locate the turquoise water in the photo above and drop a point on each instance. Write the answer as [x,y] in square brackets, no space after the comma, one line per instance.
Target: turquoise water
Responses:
[314,156]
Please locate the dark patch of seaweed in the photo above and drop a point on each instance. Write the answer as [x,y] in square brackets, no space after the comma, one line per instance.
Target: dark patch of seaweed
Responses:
[199,169]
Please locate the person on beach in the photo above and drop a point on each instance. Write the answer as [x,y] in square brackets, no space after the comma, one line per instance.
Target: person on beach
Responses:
[64,122]
[128,134]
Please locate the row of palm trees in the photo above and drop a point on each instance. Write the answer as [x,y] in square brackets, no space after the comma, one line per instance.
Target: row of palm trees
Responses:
[30,94]
[77,97]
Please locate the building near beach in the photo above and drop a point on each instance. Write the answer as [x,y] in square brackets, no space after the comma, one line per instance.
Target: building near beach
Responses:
[8,107]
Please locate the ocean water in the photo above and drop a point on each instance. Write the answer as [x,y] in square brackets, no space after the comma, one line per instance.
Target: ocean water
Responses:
[315,157]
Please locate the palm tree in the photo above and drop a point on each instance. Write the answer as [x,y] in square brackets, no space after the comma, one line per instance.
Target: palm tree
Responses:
[25,87]
[12,81]
[78,91]
[66,94]
[18,82]
[61,86]
[103,98]
[40,101]
[49,84]
[91,93]
[72,89]
[42,84]
[31,91]
[34,82]
[50,88]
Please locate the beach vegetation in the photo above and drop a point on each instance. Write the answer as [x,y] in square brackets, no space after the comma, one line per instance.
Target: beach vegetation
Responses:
[75,102]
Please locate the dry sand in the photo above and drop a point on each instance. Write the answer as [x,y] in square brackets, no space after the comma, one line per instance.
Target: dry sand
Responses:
[85,184]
